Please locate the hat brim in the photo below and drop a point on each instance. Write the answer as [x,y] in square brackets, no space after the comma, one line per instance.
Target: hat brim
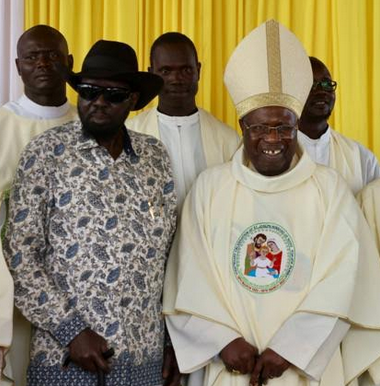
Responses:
[146,84]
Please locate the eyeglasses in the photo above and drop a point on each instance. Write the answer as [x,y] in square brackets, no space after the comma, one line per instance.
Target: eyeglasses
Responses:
[325,84]
[259,130]
[113,95]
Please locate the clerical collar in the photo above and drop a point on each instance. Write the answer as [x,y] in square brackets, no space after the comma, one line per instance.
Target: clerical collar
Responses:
[294,162]
[178,121]
[301,171]
[323,139]
[127,144]
[29,109]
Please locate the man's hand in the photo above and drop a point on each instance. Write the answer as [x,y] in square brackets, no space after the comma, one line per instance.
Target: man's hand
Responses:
[86,350]
[269,365]
[239,356]
[170,370]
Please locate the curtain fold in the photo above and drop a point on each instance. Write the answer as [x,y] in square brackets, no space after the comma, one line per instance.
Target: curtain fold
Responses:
[345,34]
[11,27]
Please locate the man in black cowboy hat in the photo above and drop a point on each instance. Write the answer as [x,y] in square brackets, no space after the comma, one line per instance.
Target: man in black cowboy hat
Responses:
[92,215]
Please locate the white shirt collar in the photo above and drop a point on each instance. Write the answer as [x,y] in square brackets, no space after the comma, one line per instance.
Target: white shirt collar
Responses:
[323,139]
[28,109]
[178,121]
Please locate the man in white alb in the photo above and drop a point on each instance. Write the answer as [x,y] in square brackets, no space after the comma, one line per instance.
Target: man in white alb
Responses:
[194,138]
[42,106]
[369,200]
[353,161]
[284,329]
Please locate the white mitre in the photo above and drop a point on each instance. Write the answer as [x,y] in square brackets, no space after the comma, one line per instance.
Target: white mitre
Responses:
[269,67]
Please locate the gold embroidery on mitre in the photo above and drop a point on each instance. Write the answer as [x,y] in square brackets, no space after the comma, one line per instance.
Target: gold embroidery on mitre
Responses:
[273,56]
[268,99]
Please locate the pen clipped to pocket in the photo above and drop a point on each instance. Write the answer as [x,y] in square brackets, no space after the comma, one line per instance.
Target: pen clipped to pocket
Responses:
[156,208]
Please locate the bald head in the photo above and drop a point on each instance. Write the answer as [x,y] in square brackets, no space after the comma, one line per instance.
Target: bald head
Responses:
[39,49]
[41,32]
[318,66]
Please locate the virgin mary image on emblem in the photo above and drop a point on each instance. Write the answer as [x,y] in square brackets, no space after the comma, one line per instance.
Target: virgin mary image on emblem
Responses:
[263,260]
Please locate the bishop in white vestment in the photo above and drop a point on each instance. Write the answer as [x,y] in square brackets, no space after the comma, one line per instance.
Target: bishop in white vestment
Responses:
[314,318]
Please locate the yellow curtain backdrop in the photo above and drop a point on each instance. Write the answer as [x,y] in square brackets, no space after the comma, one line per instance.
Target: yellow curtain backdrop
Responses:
[345,34]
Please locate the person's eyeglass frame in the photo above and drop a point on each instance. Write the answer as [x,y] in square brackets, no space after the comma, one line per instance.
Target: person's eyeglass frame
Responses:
[325,84]
[113,95]
[258,130]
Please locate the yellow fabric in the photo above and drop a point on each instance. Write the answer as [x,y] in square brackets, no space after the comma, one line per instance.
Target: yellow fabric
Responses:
[16,132]
[219,141]
[345,34]
[335,270]
[369,201]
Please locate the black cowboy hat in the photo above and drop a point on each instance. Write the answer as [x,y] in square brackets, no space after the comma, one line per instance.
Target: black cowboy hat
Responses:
[116,61]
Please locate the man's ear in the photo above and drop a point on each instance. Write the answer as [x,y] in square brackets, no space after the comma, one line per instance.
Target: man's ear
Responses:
[242,126]
[70,61]
[18,66]
[199,65]
[135,96]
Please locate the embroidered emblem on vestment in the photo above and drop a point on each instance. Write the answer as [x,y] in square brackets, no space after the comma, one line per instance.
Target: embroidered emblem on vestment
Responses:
[263,257]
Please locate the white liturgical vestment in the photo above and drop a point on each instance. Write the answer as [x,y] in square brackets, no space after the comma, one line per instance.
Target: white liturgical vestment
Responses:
[20,121]
[369,200]
[323,264]
[182,138]
[357,165]
[193,142]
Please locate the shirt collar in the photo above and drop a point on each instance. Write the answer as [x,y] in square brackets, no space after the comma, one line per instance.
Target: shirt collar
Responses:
[323,139]
[178,120]
[44,112]
[127,144]
[86,141]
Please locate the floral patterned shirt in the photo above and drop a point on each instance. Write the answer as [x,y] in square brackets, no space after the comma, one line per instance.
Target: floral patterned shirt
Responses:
[87,244]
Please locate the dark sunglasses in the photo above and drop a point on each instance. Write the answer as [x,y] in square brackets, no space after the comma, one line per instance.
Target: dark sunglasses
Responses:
[113,95]
[325,84]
